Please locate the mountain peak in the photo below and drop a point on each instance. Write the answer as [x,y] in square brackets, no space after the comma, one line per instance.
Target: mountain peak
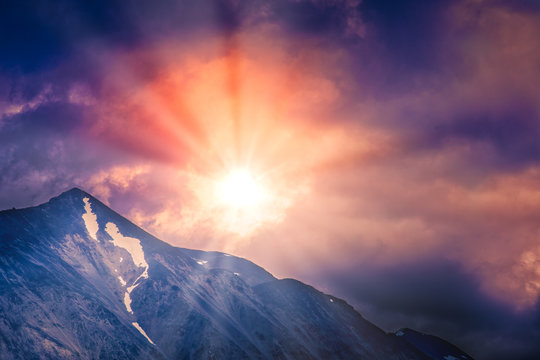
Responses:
[72,196]
[74,191]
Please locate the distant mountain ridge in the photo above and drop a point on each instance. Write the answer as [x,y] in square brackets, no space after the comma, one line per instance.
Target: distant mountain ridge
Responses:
[79,281]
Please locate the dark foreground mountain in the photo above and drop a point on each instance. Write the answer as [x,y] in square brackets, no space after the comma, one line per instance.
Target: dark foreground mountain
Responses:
[79,281]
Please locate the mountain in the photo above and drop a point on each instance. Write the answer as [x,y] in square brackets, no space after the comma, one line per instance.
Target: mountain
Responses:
[432,346]
[79,281]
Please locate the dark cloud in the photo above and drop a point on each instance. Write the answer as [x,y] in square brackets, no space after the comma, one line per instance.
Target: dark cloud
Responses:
[512,131]
[410,31]
[28,40]
[39,35]
[441,298]
[46,119]
[44,150]
[310,17]
[519,5]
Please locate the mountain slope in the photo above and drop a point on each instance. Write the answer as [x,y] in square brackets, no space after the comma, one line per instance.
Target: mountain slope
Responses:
[77,280]
[432,346]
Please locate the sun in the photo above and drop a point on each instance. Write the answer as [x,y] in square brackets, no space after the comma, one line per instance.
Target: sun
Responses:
[239,189]
[237,201]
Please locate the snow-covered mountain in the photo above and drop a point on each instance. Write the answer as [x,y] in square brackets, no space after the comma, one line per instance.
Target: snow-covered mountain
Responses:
[79,281]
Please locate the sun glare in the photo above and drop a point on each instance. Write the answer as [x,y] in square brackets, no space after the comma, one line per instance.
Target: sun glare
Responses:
[239,189]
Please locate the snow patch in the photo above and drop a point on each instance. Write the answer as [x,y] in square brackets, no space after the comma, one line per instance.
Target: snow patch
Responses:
[226,255]
[127,297]
[138,327]
[331,300]
[90,219]
[122,281]
[121,259]
[134,248]
[237,274]
[400,333]
[127,302]
[132,245]
[201,262]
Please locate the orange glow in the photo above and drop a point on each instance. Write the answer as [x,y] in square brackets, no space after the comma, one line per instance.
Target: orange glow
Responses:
[239,125]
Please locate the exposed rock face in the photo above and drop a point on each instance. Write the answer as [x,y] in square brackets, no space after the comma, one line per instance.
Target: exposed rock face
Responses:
[79,281]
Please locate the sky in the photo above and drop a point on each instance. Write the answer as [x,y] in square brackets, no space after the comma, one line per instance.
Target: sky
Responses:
[394,145]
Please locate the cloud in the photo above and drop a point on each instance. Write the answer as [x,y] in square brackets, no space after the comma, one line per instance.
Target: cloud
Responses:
[442,298]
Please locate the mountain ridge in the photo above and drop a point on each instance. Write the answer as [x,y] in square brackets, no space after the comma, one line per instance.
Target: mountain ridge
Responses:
[166,302]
